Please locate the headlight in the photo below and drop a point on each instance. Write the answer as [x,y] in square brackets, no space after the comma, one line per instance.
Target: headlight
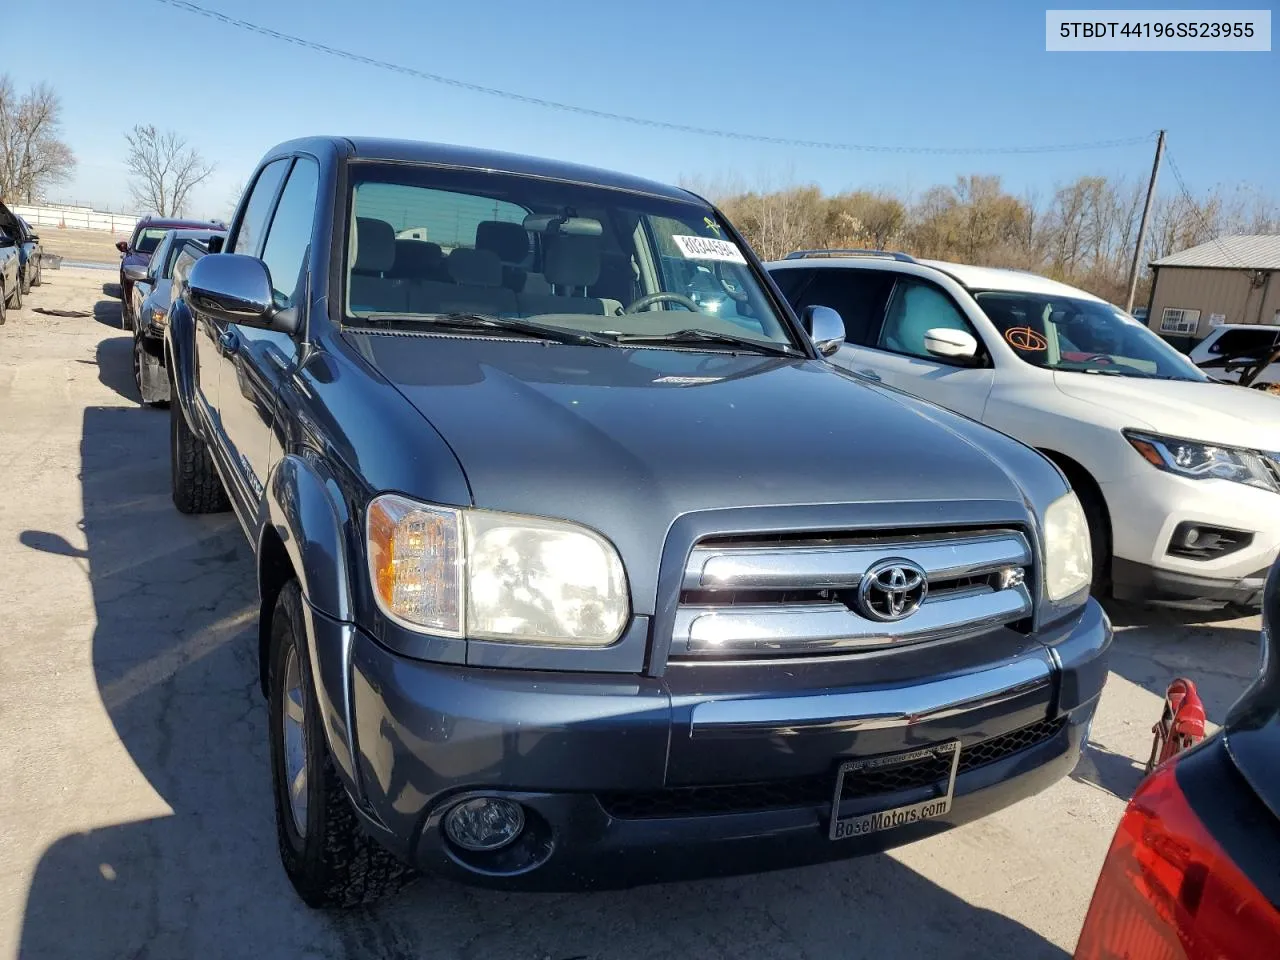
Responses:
[494,576]
[1203,461]
[1068,555]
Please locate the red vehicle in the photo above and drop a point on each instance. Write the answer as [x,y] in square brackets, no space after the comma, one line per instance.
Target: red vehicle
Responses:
[137,252]
[1193,872]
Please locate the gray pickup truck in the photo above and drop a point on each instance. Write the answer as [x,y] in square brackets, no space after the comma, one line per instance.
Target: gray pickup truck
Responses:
[579,566]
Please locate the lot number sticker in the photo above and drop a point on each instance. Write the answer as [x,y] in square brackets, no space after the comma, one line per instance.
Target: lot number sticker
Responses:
[709,248]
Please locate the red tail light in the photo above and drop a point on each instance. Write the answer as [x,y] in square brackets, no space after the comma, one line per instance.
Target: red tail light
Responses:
[1167,890]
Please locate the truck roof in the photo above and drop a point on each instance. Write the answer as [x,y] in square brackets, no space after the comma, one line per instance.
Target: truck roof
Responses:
[475,158]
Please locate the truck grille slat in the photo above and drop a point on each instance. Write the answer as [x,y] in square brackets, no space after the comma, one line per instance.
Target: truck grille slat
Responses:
[779,597]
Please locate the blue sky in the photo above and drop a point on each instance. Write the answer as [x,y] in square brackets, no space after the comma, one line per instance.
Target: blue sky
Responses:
[919,74]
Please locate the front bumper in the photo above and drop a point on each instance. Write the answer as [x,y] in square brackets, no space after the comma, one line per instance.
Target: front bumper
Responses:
[593,758]
[1145,515]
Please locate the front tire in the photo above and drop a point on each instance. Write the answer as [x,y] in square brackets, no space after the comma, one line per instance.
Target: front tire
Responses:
[37,279]
[328,857]
[24,281]
[194,480]
[17,294]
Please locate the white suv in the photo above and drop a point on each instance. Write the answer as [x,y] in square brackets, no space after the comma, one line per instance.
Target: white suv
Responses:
[1248,341]
[1179,476]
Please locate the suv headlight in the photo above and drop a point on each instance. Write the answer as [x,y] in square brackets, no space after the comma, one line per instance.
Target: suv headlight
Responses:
[1068,555]
[494,576]
[1206,461]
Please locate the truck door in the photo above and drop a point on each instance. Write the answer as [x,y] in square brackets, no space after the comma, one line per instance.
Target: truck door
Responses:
[231,348]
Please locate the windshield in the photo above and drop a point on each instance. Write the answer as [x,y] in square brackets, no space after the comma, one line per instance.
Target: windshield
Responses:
[148,239]
[1083,336]
[430,243]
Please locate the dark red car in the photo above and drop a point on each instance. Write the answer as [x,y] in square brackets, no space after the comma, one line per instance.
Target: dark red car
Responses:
[137,252]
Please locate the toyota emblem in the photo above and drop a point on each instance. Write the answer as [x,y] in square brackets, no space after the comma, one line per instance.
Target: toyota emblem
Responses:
[892,590]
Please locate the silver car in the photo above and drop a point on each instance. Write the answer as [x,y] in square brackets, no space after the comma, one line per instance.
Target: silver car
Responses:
[151,292]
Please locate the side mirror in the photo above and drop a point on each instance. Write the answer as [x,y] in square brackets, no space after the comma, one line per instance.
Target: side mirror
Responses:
[135,272]
[825,328]
[122,246]
[952,344]
[215,244]
[234,288]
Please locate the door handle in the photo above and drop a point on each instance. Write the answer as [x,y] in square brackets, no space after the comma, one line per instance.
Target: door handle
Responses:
[228,343]
[870,375]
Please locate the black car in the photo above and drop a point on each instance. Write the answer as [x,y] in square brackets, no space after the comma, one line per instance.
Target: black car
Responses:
[152,295]
[1194,869]
[575,574]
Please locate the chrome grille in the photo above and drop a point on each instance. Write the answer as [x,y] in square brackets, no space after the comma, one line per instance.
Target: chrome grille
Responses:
[755,598]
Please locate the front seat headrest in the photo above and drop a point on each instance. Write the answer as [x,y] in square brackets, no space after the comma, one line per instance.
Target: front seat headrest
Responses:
[572,261]
[375,246]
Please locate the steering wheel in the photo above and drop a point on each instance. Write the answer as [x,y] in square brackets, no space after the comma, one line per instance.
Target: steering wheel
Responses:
[650,299]
[1098,358]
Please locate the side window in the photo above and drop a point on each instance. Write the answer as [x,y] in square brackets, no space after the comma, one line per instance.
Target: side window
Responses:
[1234,342]
[857,295]
[290,232]
[248,236]
[916,308]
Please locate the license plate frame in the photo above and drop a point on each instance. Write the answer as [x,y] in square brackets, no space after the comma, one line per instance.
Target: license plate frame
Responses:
[864,824]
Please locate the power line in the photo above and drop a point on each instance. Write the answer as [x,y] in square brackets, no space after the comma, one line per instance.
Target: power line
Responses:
[195,8]
[1195,209]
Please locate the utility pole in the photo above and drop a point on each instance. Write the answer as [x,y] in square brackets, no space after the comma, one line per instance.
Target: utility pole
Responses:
[1142,227]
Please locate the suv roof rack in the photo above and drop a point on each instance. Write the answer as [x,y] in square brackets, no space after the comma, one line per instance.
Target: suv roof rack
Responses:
[882,254]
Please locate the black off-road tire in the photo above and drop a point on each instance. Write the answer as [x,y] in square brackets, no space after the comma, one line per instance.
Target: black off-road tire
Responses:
[194,479]
[24,281]
[16,302]
[37,279]
[336,864]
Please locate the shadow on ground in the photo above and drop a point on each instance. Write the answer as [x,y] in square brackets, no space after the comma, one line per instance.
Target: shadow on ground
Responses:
[109,313]
[174,655]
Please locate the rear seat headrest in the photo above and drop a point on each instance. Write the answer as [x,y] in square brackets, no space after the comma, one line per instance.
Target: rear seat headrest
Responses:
[572,261]
[417,259]
[510,241]
[475,268]
[375,245]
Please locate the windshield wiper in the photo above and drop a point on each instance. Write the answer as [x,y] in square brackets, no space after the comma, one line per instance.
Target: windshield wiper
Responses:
[695,335]
[483,321]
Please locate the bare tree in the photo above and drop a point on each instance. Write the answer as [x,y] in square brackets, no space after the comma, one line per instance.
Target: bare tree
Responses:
[163,169]
[32,157]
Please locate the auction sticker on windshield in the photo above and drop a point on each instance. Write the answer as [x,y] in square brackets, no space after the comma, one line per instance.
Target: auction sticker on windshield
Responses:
[859,825]
[709,248]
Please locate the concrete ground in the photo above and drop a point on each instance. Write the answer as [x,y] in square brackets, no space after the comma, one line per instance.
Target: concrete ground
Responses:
[89,246]
[135,811]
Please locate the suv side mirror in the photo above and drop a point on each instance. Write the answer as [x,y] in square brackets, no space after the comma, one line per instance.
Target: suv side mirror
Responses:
[825,328]
[234,288]
[122,246]
[952,344]
[135,272]
[215,244]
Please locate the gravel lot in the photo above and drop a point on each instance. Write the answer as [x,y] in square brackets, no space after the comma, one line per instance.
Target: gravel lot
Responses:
[135,812]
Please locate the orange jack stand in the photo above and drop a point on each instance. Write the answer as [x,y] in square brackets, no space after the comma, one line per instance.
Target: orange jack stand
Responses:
[1181,723]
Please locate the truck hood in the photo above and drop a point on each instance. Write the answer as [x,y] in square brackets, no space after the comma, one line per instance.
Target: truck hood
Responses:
[1213,412]
[646,435]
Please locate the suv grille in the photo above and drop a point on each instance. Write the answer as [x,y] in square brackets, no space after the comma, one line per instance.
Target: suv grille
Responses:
[811,791]
[792,595]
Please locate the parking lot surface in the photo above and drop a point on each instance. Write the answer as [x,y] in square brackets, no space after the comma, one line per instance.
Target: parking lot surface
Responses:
[135,804]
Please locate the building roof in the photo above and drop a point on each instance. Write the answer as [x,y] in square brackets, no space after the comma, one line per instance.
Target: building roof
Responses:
[1239,251]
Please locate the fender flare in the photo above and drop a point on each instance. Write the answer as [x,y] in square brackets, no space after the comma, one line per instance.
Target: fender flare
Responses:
[307,514]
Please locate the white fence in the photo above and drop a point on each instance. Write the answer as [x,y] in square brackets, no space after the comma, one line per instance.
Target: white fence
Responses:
[79,218]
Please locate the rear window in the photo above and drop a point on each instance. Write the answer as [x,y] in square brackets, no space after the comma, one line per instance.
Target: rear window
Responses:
[1236,342]
[148,239]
